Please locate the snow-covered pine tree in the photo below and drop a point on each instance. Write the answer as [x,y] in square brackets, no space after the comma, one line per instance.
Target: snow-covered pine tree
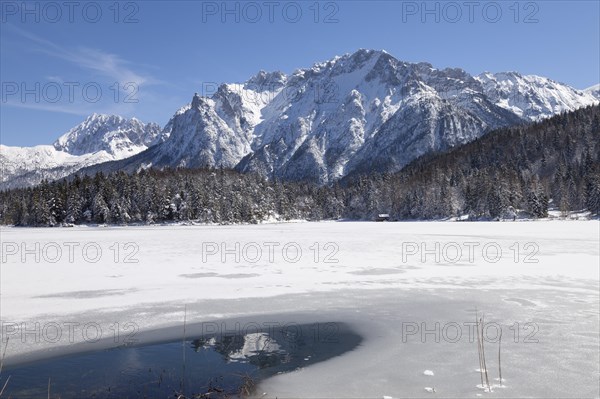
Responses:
[100,210]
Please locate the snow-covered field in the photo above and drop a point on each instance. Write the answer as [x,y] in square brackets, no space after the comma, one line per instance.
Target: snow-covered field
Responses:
[411,289]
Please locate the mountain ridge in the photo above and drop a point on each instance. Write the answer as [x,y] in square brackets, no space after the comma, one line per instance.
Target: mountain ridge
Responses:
[357,113]
[99,138]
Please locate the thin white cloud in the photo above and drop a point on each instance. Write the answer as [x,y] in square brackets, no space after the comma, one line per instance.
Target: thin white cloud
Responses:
[102,65]
[97,61]
[56,79]
[73,109]
[65,109]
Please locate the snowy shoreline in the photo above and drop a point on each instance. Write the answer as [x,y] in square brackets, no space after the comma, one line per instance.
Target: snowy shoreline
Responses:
[553,217]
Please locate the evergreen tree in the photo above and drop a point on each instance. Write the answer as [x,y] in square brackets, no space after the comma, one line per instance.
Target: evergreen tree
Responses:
[592,194]
[100,210]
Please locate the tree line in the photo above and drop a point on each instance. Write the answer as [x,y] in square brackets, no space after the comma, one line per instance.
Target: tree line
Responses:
[524,169]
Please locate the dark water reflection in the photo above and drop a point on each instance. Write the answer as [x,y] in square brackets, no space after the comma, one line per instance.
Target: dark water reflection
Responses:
[216,365]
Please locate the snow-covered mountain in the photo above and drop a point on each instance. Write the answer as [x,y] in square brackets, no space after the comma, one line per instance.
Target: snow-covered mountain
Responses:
[117,136]
[360,112]
[533,97]
[594,91]
[98,139]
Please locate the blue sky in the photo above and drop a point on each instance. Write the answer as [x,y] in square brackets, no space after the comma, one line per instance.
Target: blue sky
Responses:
[61,62]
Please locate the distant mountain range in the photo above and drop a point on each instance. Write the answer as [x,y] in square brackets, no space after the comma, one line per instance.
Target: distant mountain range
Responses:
[98,139]
[358,113]
[594,91]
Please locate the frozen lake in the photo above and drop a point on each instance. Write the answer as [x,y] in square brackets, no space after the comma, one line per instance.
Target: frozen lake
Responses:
[411,290]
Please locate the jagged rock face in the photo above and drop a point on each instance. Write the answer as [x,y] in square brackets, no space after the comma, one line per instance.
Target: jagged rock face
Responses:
[365,112]
[98,139]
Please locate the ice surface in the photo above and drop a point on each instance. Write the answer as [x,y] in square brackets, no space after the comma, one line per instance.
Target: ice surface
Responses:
[547,310]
